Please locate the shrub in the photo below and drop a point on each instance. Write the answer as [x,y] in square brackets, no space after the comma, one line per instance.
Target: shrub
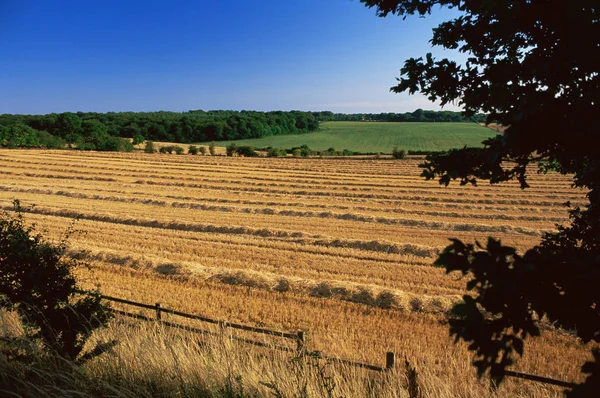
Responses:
[149,148]
[296,152]
[202,150]
[231,149]
[275,153]
[137,139]
[19,136]
[398,153]
[50,141]
[247,151]
[305,151]
[126,145]
[211,148]
[193,150]
[178,150]
[85,146]
[36,282]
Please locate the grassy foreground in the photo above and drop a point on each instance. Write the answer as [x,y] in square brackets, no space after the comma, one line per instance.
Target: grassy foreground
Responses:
[150,360]
[379,137]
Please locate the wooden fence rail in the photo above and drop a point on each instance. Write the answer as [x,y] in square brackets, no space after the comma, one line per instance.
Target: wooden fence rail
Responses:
[300,338]
[540,379]
[159,310]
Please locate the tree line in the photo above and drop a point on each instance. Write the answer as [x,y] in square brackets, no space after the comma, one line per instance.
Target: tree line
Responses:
[120,131]
[418,115]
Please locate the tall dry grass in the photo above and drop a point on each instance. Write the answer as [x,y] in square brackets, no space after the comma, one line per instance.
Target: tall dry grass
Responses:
[151,360]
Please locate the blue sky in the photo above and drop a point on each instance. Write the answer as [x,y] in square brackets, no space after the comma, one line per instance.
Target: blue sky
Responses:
[131,55]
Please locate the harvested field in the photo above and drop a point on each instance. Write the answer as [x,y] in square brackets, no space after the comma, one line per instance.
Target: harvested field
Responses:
[342,248]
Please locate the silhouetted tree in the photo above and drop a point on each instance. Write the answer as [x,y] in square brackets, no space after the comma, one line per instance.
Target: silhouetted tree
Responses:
[37,282]
[531,66]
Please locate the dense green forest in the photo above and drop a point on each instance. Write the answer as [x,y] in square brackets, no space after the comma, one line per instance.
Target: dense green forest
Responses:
[419,115]
[119,131]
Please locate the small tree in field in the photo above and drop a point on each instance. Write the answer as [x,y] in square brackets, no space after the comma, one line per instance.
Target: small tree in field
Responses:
[305,151]
[36,282]
[137,139]
[211,148]
[193,150]
[149,148]
[246,151]
[398,153]
[202,150]
[231,149]
[275,153]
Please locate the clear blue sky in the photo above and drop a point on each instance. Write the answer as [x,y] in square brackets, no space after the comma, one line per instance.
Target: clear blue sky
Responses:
[132,55]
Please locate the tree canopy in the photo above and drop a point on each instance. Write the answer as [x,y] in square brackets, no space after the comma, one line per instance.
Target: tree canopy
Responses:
[532,65]
[113,131]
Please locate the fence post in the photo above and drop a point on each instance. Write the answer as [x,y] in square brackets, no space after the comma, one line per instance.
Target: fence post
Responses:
[157,305]
[390,360]
[301,341]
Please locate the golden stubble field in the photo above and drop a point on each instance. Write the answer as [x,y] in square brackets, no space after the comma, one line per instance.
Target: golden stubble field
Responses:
[342,248]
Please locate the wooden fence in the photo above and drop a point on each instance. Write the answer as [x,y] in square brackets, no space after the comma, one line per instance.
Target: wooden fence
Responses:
[299,338]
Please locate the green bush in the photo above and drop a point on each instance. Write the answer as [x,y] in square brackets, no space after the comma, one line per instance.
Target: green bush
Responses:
[193,150]
[211,148]
[276,153]
[247,151]
[138,139]
[36,281]
[202,150]
[126,145]
[303,150]
[50,141]
[18,136]
[149,148]
[398,153]
[178,150]
[231,149]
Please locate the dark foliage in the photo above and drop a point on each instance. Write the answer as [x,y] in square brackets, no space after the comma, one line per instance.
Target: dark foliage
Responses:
[398,153]
[243,150]
[22,136]
[36,281]
[149,147]
[89,130]
[419,115]
[532,66]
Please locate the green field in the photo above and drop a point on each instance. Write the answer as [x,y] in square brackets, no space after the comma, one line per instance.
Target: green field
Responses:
[379,137]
